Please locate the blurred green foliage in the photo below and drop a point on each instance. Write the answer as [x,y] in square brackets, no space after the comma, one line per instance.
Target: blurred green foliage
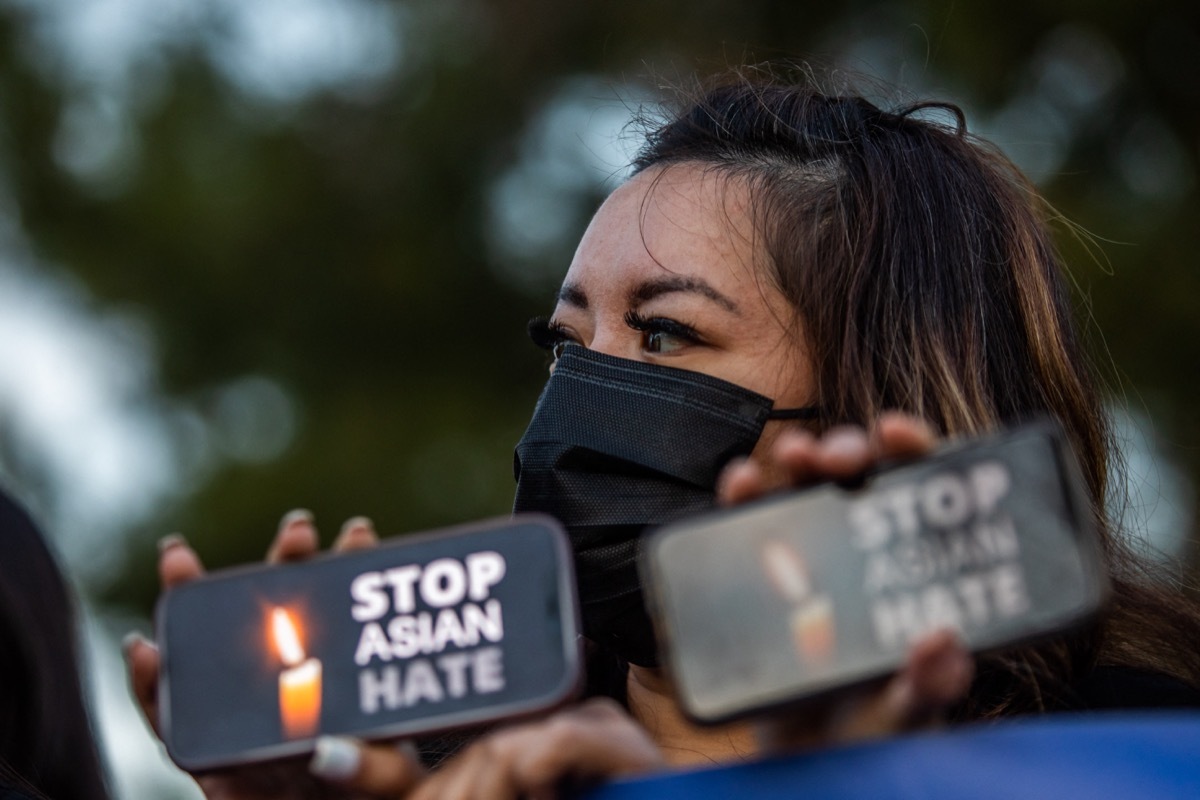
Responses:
[338,244]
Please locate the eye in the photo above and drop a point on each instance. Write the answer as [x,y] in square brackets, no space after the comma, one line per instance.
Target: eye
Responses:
[661,334]
[550,336]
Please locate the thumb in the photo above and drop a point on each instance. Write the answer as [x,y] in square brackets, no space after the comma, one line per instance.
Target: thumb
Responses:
[378,769]
[141,663]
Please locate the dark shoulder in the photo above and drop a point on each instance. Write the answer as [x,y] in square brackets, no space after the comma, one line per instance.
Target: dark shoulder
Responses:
[1113,687]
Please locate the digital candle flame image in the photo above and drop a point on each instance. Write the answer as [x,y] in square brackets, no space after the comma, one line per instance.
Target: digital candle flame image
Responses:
[300,681]
[813,631]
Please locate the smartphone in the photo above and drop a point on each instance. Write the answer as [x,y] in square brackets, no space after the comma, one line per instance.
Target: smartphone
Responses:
[797,595]
[423,633]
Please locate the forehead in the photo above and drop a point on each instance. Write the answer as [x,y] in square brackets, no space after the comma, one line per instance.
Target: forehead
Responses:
[679,222]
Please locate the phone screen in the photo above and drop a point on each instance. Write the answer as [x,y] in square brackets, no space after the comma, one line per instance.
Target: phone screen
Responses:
[420,634]
[802,594]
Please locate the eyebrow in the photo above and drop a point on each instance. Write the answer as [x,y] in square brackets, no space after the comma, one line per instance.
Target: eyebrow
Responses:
[572,295]
[645,292]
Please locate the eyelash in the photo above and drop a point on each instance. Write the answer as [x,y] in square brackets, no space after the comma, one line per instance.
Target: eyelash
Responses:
[548,335]
[651,325]
[552,336]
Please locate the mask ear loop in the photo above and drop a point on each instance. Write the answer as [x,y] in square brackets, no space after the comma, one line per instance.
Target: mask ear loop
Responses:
[804,412]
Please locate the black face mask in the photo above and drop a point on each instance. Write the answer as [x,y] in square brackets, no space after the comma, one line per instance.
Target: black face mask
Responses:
[617,446]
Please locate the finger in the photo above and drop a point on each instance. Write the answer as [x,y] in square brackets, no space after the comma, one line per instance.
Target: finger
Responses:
[177,561]
[490,778]
[843,453]
[794,453]
[141,660]
[357,533]
[484,769]
[373,769]
[504,755]
[597,739]
[528,760]
[740,481]
[940,670]
[296,538]
[483,773]
[936,675]
[902,436]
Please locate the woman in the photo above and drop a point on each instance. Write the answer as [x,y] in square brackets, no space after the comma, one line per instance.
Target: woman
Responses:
[836,264]
[46,745]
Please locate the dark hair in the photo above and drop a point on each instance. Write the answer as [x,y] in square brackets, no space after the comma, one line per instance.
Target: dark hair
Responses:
[46,743]
[925,276]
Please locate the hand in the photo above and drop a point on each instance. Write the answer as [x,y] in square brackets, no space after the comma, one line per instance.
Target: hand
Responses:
[798,458]
[594,740]
[938,670]
[295,540]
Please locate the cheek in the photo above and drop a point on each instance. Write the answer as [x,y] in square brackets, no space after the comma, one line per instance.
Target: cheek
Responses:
[777,364]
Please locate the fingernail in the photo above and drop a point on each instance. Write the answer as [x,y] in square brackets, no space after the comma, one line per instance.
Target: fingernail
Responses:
[735,467]
[335,758]
[793,437]
[357,522]
[296,515]
[130,639]
[171,540]
[845,443]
